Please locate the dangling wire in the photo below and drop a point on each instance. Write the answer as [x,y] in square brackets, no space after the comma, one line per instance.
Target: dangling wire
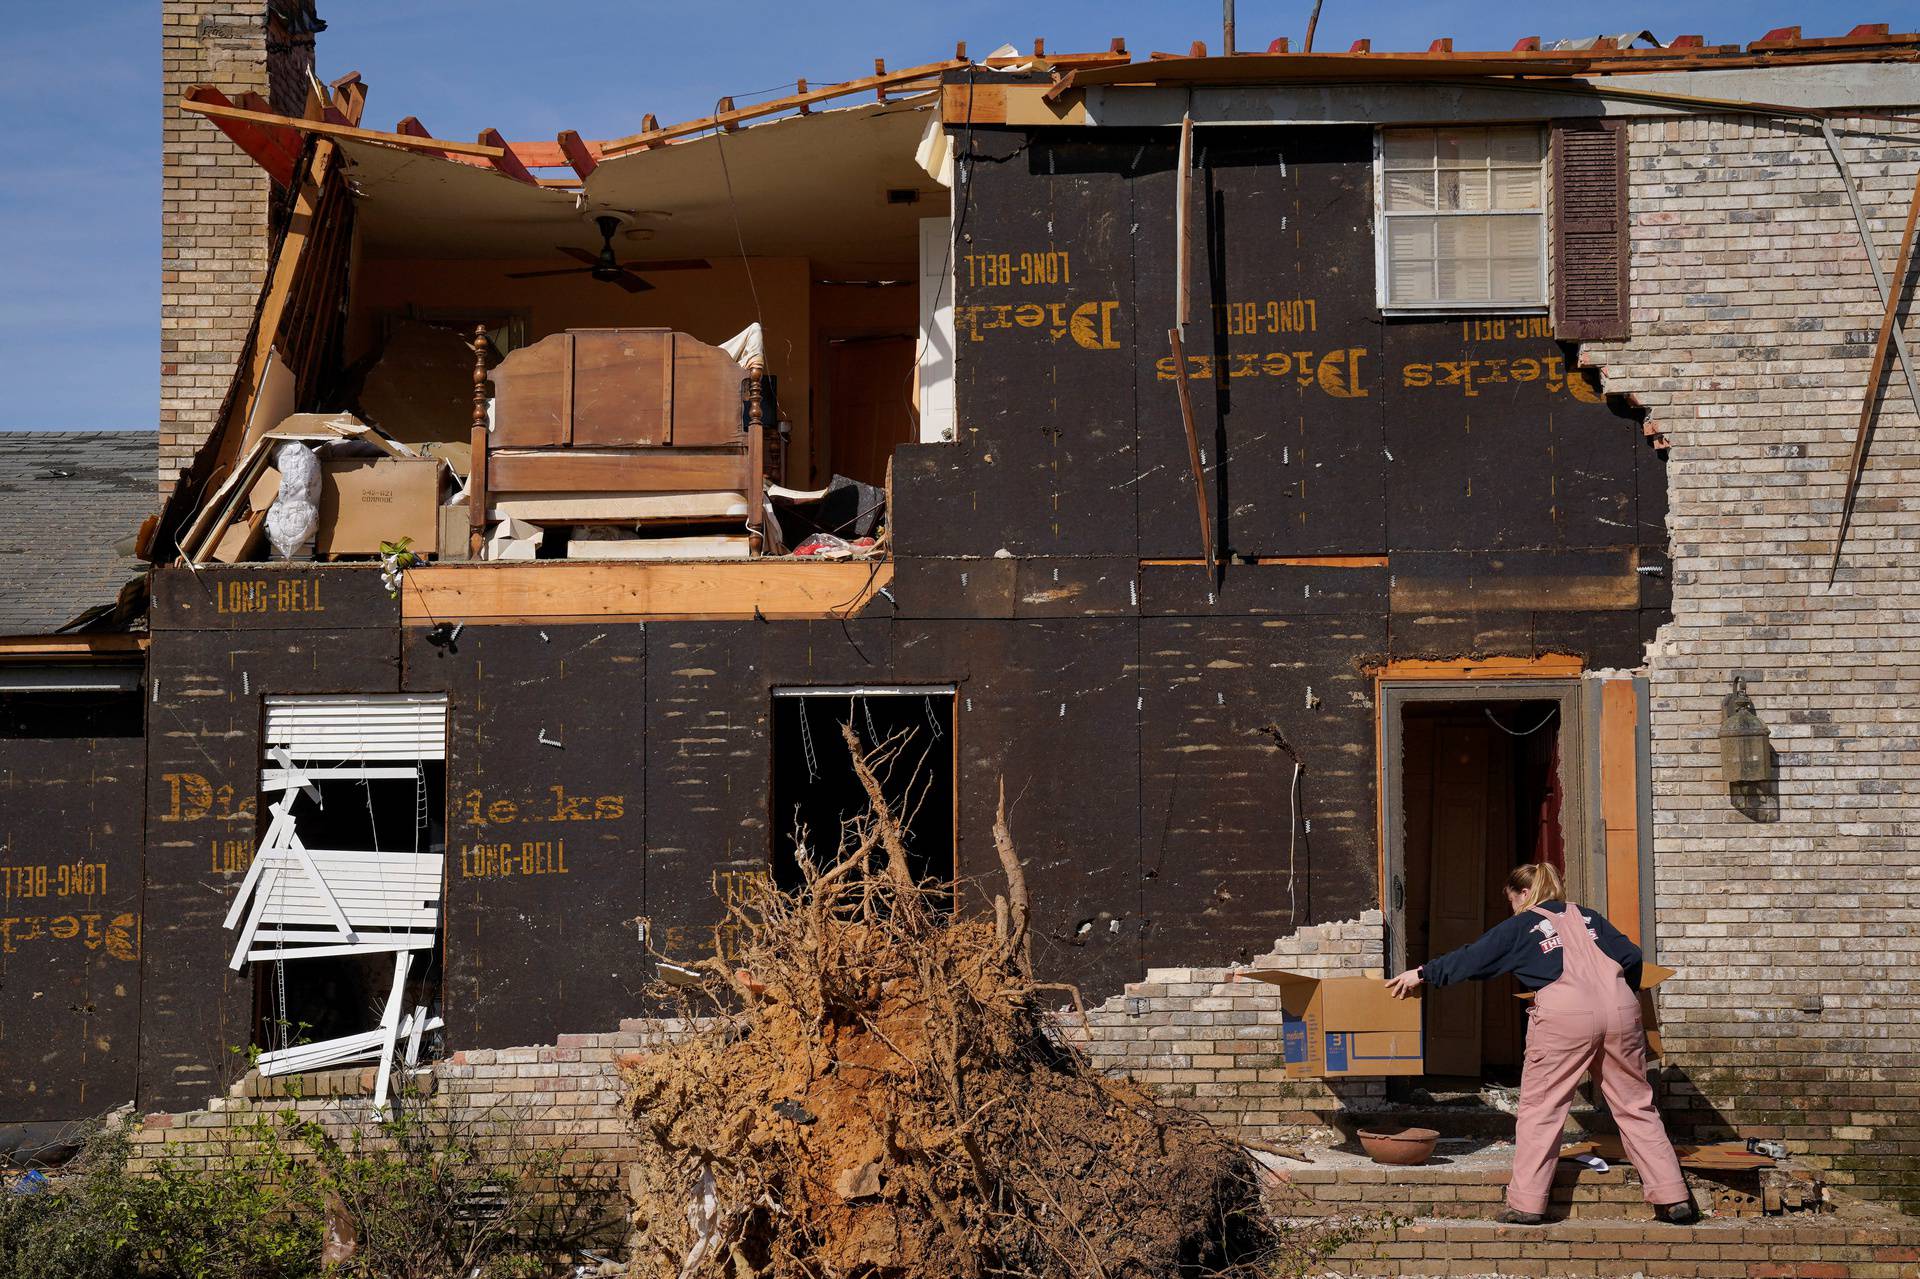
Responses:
[280,995]
[420,817]
[806,743]
[1529,732]
[866,709]
[1293,836]
[933,721]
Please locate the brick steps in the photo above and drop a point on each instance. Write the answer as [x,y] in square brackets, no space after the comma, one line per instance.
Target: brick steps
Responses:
[1468,1179]
[1477,1193]
[1858,1245]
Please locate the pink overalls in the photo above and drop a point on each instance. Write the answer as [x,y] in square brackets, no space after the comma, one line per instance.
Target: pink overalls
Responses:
[1586,1020]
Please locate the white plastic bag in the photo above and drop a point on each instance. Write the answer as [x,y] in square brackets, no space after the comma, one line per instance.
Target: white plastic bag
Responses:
[295,512]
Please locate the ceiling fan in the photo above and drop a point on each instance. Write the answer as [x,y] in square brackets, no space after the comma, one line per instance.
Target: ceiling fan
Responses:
[606,264]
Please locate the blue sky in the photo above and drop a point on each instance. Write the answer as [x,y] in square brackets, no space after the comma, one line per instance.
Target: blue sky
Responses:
[80,131]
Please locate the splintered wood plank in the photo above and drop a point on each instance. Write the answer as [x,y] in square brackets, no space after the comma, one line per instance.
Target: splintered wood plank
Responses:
[1545,666]
[519,591]
[1894,291]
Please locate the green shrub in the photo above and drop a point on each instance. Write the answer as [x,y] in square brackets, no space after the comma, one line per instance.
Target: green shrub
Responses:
[434,1190]
[252,1216]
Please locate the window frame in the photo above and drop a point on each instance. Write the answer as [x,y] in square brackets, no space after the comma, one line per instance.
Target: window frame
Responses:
[1381,215]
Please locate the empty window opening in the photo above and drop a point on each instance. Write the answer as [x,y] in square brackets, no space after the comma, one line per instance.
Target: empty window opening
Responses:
[339,912]
[1481,794]
[816,792]
[71,701]
[330,997]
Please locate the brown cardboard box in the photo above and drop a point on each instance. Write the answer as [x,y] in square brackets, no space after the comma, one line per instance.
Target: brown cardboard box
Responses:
[1345,1027]
[365,501]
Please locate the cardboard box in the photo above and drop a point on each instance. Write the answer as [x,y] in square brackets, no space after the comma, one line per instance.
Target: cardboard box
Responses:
[365,501]
[1345,1027]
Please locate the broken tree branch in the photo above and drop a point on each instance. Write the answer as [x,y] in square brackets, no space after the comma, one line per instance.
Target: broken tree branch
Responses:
[897,865]
[1018,932]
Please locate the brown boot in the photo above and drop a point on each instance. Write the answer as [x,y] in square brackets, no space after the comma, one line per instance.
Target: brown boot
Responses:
[1514,1217]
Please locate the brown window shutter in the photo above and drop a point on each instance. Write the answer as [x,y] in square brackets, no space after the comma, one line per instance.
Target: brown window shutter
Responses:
[1589,230]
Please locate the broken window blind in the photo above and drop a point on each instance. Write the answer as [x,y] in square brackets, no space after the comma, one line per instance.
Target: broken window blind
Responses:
[1590,230]
[399,726]
[1462,219]
[298,902]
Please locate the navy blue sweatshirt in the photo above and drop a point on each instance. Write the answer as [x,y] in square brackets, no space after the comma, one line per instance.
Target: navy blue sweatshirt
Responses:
[1528,947]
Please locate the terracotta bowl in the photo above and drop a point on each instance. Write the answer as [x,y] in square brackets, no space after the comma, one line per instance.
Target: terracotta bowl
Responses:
[1399,1145]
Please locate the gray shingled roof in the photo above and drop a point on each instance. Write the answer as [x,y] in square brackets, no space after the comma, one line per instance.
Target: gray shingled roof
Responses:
[65,498]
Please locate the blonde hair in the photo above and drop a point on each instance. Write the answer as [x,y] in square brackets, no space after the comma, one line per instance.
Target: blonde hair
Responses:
[1536,882]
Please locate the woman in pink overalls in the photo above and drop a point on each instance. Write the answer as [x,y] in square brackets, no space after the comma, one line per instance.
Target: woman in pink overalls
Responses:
[1584,1017]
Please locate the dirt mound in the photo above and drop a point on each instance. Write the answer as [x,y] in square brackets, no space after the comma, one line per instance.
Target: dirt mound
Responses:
[876,1090]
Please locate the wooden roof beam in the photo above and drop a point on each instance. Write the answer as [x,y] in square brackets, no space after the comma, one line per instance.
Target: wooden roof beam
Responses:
[266,141]
[506,162]
[582,157]
[350,97]
[412,128]
[198,102]
[723,119]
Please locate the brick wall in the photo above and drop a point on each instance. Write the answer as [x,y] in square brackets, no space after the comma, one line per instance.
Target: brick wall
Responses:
[1797,1004]
[569,1092]
[1211,1044]
[1215,1046]
[213,205]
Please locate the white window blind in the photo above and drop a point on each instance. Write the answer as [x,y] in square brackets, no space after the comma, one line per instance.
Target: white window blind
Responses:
[403,726]
[1462,218]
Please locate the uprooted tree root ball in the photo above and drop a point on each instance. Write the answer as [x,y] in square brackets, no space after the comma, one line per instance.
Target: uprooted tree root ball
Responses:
[872,1087]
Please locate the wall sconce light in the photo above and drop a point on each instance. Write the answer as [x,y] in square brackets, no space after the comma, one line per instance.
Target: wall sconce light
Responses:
[1747,758]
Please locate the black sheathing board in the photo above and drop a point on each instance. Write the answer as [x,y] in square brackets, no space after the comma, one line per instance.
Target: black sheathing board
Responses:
[1497,444]
[546,824]
[708,757]
[1282,351]
[1043,264]
[1215,784]
[205,717]
[1052,707]
[70,928]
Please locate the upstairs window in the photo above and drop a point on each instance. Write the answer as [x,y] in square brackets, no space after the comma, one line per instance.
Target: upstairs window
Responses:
[1462,219]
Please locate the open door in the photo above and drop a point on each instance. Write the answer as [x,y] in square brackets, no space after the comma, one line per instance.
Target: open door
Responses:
[1465,821]
[869,395]
[1476,785]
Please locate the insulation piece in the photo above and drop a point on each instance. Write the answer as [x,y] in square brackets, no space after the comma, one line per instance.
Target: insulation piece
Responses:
[295,513]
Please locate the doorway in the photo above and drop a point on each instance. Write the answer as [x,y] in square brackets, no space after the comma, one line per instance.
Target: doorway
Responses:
[869,399]
[815,791]
[1478,781]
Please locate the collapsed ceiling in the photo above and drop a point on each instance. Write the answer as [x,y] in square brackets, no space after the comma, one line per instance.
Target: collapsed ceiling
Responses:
[830,186]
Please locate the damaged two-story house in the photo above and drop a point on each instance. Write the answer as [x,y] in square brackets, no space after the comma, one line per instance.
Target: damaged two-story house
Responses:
[1313,483]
